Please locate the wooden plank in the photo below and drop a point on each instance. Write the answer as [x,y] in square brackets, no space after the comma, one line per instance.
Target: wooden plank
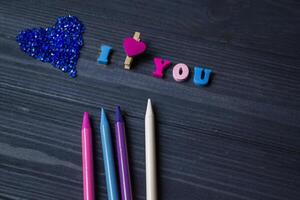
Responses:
[237,139]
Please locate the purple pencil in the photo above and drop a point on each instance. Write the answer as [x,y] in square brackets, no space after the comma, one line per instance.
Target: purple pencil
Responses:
[122,155]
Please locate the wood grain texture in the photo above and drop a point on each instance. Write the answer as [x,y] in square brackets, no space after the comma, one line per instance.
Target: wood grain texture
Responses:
[238,139]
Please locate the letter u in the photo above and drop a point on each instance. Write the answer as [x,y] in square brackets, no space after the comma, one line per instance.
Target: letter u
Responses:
[198,74]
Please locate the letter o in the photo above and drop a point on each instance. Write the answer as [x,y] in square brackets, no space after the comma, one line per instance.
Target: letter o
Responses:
[180,72]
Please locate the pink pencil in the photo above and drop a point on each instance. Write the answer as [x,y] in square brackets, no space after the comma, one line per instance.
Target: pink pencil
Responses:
[87,159]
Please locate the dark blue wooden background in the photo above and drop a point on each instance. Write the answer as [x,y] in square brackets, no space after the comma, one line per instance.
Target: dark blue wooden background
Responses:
[238,139]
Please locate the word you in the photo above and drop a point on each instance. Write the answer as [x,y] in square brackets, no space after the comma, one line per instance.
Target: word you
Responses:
[134,47]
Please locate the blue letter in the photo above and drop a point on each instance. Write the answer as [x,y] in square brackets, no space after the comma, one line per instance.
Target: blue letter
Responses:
[198,74]
[102,59]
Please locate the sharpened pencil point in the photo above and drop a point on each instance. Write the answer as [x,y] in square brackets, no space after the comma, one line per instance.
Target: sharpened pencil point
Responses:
[118,116]
[149,110]
[86,120]
[103,116]
[149,101]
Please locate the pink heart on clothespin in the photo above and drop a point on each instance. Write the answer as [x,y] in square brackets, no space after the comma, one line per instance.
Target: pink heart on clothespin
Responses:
[133,47]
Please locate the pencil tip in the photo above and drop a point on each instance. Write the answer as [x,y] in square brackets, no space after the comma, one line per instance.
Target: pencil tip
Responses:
[103,116]
[118,116]
[149,107]
[86,120]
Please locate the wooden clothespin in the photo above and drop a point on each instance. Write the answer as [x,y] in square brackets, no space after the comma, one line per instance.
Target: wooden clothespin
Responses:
[133,47]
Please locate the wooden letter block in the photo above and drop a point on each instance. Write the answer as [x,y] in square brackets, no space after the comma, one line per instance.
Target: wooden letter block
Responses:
[160,66]
[103,57]
[198,74]
[180,72]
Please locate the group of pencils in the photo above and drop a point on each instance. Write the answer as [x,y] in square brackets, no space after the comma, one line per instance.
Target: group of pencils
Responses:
[122,155]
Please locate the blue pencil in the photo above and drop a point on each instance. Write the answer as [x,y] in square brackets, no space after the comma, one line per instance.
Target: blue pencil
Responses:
[108,157]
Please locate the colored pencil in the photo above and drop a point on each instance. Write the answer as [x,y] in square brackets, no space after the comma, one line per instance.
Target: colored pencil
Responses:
[151,187]
[124,173]
[87,159]
[108,157]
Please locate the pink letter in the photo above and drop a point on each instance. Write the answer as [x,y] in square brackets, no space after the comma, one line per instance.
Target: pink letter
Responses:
[180,72]
[160,66]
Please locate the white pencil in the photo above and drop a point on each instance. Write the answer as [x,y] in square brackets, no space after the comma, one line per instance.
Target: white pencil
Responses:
[151,187]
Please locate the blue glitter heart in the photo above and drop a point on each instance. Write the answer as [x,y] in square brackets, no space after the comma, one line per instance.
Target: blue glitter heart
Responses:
[59,45]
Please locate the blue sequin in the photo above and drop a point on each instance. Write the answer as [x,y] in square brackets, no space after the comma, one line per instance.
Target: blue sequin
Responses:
[59,45]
